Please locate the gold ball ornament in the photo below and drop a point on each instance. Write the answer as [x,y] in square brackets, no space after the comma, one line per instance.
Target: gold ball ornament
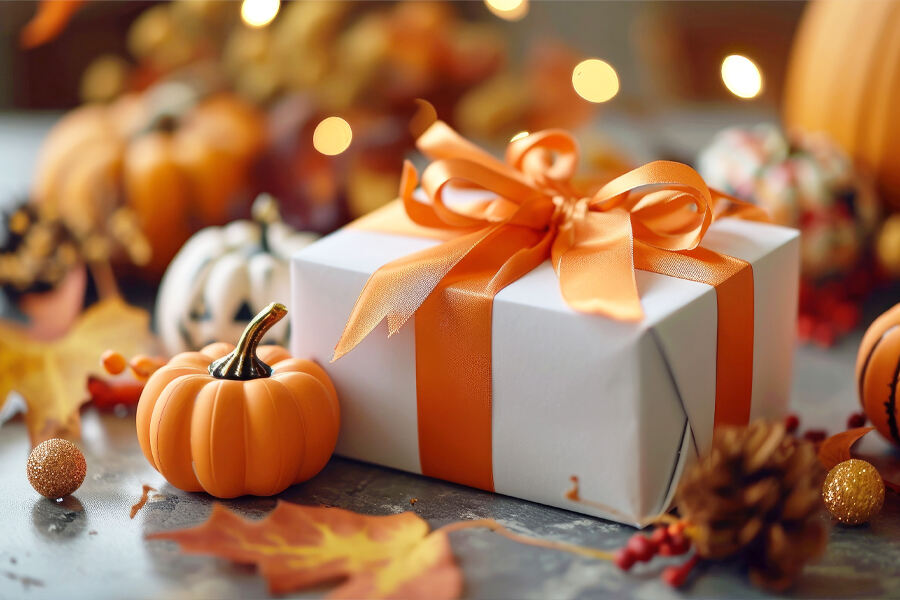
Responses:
[853,491]
[56,468]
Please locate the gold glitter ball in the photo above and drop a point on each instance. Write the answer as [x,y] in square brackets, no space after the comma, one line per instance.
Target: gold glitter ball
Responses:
[56,468]
[853,491]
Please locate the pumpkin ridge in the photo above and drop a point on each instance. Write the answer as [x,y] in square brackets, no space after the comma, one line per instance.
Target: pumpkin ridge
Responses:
[865,365]
[170,392]
[214,430]
[277,411]
[891,405]
[302,419]
[299,403]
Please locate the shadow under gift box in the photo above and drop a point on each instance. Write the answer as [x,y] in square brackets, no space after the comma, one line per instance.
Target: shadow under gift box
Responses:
[625,406]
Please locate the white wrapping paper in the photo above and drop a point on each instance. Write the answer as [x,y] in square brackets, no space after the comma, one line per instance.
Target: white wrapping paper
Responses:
[623,406]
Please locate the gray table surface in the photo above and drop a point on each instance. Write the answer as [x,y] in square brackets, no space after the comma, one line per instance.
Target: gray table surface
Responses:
[88,547]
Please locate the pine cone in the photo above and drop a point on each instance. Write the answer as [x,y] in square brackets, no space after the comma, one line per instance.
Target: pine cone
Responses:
[757,495]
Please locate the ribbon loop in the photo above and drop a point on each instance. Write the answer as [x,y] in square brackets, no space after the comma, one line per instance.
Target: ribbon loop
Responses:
[590,239]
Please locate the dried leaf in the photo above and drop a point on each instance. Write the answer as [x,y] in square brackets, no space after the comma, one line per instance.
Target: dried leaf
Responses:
[50,20]
[836,449]
[52,376]
[298,547]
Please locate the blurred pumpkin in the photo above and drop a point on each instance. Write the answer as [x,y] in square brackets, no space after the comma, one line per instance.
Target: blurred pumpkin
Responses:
[225,422]
[224,276]
[178,161]
[842,80]
[876,374]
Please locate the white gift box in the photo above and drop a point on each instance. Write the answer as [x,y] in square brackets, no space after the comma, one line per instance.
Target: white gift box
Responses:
[624,406]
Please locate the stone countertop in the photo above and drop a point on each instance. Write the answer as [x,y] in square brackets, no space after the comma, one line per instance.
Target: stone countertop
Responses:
[87,546]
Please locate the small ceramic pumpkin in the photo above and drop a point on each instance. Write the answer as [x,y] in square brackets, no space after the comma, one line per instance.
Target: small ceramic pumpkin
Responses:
[878,374]
[223,276]
[225,422]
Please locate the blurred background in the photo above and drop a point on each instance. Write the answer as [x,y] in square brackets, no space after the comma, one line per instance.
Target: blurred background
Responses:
[127,127]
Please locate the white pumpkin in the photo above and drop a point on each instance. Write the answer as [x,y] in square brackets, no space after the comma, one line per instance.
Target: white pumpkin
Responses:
[223,276]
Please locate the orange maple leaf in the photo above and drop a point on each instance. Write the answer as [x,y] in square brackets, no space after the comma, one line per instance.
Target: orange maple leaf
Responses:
[51,375]
[836,449]
[297,547]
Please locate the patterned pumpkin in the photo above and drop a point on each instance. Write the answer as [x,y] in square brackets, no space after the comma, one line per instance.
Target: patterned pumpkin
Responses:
[842,80]
[223,276]
[878,374]
[224,421]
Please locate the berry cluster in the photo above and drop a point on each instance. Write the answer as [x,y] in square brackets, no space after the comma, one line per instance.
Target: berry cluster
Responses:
[817,436]
[829,311]
[666,540]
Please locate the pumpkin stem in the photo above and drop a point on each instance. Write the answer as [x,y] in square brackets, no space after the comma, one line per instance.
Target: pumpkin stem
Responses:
[265,212]
[242,363]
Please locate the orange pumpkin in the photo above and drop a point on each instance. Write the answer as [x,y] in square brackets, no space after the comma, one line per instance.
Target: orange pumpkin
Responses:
[842,79]
[223,421]
[878,374]
[179,165]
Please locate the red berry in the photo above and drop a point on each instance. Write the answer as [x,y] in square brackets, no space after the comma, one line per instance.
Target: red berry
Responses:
[624,559]
[824,335]
[805,326]
[641,547]
[660,535]
[679,544]
[815,435]
[676,528]
[666,549]
[846,317]
[855,420]
[791,423]
[674,576]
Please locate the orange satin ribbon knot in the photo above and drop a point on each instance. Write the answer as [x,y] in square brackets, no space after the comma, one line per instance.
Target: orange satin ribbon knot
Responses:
[652,218]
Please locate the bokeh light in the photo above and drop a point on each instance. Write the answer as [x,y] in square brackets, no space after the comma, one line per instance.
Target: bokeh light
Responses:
[332,136]
[259,13]
[595,80]
[510,10]
[518,136]
[741,76]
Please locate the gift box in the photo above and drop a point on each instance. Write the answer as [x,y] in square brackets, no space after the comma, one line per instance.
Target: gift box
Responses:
[523,388]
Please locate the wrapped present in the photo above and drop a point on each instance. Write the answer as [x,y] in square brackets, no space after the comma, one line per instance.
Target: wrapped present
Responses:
[519,332]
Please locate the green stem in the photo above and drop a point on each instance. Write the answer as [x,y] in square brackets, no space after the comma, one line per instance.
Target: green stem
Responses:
[242,364]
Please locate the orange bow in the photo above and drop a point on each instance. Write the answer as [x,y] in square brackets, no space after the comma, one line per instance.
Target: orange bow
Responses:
[593,241]
[652,218]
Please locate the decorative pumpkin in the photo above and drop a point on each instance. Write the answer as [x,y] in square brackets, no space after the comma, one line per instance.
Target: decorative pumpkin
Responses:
[878,374]
[224,276]
[179,162]
[224,421]
[842,80]
[803,180]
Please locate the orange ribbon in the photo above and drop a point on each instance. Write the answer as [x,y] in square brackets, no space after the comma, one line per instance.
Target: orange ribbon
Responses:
[652,218]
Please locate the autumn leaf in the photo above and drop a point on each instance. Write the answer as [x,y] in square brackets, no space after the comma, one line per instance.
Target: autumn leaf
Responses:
[836,449]
[297,547]
[50,20]
[52,375]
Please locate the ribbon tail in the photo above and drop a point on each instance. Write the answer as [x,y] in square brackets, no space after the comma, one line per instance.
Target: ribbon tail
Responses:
[593,258]
[729,206]
[396,290]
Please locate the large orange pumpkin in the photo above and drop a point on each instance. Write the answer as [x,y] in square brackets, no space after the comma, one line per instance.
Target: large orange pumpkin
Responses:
[223,421]
[844,79]
[878,374]
[180,167]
